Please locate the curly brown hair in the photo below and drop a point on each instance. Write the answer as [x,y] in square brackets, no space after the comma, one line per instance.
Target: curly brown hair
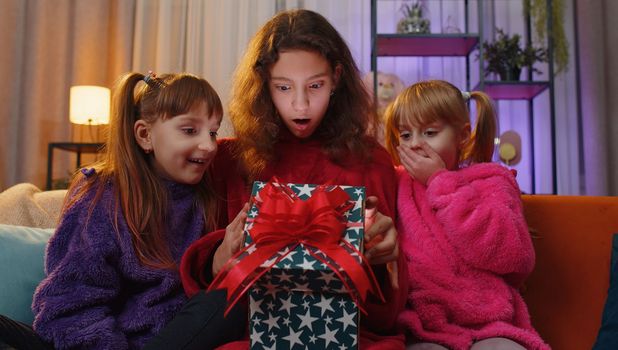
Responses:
[350,120]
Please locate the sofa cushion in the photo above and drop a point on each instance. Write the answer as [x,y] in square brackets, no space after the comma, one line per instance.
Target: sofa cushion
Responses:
[21,268]
[608,334]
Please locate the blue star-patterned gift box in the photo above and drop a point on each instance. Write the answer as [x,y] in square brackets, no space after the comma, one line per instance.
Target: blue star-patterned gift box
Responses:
[301,303]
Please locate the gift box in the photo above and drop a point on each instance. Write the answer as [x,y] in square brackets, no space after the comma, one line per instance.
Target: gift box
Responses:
[301,302]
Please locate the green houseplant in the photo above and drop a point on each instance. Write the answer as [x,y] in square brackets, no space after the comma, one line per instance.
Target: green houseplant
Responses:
[537,9]
[413,21]
[506,57]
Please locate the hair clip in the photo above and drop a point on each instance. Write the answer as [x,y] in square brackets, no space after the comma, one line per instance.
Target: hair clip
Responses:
[466,95]
[152,80]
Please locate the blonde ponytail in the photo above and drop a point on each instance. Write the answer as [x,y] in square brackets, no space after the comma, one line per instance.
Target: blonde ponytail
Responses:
[480,147]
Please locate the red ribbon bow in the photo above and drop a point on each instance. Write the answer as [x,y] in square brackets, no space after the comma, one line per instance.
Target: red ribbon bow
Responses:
[283,223]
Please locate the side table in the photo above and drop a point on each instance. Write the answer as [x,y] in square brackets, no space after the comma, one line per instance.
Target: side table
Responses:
[76,147]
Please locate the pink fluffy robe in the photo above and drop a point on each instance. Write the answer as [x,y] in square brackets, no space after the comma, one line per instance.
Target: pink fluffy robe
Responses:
[468,250]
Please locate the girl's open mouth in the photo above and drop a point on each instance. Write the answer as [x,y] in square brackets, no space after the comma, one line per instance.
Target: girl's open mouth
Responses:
[197,160]
[302,121]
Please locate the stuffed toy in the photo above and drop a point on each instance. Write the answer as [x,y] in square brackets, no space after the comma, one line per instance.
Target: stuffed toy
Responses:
[389,86]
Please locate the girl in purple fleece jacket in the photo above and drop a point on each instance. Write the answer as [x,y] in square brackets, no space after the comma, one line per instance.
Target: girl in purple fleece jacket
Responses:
[112,265]
[461,225]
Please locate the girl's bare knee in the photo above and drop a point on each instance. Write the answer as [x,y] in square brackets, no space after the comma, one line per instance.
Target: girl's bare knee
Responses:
[425,346]
[497,344]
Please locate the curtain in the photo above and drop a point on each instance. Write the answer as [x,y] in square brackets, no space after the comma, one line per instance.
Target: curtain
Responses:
[206,38]
[49,46]
[598,76]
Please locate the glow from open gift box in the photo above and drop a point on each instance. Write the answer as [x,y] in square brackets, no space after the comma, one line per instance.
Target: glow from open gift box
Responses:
[282,224]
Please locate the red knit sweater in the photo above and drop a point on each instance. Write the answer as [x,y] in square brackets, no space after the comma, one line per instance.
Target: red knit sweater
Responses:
[303,161]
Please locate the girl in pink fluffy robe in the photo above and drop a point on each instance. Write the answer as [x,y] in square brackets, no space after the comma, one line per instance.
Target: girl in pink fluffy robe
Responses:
[460,218]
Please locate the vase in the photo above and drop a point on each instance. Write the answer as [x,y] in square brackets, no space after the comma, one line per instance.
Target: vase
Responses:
[510,74]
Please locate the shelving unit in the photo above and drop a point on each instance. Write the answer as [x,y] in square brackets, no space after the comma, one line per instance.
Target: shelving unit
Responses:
[425,44]
[463,45]
[514,90]
[420,45]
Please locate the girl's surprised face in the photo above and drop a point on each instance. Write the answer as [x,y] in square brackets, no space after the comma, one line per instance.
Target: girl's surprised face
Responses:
[183,146]
[442,138]
[300,85]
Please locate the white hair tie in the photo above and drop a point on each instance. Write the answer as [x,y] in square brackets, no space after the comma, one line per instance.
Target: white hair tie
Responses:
[466,95]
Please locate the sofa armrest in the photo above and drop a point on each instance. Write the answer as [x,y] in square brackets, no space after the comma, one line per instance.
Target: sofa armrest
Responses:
[565,294]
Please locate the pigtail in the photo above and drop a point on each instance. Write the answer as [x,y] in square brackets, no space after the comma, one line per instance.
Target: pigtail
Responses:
[480,148]
[138,190]
[123,148]
[391,132]
[121,141]
[121,117]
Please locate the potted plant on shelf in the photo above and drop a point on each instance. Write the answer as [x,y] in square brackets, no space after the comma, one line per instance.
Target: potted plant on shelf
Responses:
[537,9]
[505,56]
[413,21]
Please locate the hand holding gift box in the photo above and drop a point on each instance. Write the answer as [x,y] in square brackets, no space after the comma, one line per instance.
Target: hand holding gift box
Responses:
[381,243]
[304,247]
[285,223]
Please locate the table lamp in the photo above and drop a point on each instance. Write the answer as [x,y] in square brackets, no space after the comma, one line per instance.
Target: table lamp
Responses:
[89,105]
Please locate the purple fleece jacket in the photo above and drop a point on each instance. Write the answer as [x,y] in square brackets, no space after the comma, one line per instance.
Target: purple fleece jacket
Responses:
[96,294]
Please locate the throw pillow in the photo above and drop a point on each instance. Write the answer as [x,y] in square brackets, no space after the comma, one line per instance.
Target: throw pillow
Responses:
[25,204]
[22,252]
[608,333]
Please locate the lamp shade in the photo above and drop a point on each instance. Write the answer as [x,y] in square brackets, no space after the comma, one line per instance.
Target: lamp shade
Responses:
[89,105]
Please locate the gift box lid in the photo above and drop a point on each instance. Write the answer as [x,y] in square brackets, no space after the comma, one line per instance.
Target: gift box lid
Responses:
[300,259]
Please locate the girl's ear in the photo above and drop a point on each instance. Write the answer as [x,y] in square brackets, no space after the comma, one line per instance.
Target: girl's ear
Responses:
[464,136]
[141,130]
[337,74]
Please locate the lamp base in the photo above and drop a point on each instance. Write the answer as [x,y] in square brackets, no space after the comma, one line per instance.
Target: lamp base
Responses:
[88,133]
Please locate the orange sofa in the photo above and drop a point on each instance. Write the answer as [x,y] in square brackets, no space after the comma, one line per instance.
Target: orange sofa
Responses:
[566,292]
